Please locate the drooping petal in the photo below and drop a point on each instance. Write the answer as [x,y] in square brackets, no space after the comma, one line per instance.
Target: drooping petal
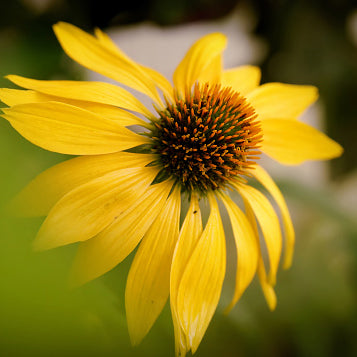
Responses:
[96,92]
[103,252]
[122,117]
[269,224]
[264,178]
[88,209]
[70,130]
[200,58]
[148,284]
[247,249]
[201,283]
[267,287]
[42,193]
[92,54]
[190,233]
[242,79]
[291,142]
[279,100]
[157,77]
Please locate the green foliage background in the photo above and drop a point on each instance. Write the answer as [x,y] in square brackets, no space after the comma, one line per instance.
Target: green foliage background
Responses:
[317,311]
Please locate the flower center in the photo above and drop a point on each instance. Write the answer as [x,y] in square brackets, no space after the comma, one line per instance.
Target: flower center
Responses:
[207,138]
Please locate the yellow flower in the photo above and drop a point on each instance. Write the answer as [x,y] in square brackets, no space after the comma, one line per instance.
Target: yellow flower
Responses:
[199,141]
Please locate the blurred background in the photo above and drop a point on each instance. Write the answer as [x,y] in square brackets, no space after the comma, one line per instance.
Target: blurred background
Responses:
[293,41]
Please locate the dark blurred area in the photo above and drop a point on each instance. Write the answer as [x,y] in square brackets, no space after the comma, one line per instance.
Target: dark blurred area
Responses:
[308,42]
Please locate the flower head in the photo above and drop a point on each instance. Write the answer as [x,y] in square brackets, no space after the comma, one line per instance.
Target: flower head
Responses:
[201,140]
[205,139]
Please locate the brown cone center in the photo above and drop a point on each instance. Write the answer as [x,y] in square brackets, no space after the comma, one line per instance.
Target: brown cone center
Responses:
[207,138]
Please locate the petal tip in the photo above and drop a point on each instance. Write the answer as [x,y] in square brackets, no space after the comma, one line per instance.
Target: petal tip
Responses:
[272,305]
[60,24]
[270,297]
[288,260]
[135,338]
[44,241]
[39,246]
[314,92]
[220,39]
[228,309]
[339,150]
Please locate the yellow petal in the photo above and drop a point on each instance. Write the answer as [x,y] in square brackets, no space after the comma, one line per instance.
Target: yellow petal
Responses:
[96,92]
[291,142]
[278,100]
[103,252]
[17,96]
[267,288]
[91,53]
[157,77]
[148,284]
[264,178]
[269,225]
[242,79]
[189,235]
[13,97]
[88,209]
[120,116]
[201,283]
[247,249]
[160,81]
[213,73]
[70,130]
[106,41]
[200,58]
[42,193]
